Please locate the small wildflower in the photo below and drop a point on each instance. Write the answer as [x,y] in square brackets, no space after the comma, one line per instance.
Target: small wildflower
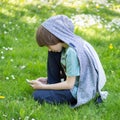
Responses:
[11,60]
[3,47]
[23,67]
[111,46]
[13,77]
[32,119]
[7,78]
[112,72]
[4,25]
[97,6]
[107,5]
[6,49]
[2,57]
[19,118]
[5,32]
[113,29]
[10,22]
[27,118]
[87,5]
[2,52]
[16,39]
[10,48]
[2,97]
[4,115]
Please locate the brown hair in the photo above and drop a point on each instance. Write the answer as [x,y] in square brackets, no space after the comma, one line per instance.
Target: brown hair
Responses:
[44,37]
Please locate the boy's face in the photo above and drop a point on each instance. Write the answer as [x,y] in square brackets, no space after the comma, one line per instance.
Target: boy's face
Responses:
[56,48]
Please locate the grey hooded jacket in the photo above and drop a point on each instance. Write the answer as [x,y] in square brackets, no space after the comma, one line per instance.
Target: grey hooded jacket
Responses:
[92,76]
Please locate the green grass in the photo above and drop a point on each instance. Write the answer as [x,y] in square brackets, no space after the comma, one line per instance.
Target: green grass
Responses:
[21,59]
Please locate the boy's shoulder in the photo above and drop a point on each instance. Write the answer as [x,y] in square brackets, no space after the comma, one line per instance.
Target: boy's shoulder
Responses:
[70,50]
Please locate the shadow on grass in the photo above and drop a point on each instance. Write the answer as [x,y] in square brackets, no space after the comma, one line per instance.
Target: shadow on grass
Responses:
[44,12]
[103,11]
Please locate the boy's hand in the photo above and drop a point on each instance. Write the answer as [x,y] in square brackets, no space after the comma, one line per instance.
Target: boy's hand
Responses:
[36,84]
[42,80]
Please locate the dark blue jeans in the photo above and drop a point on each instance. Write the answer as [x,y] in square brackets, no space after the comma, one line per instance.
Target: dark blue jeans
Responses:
[55,72]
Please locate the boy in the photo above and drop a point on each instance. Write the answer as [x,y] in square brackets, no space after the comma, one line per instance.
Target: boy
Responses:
[75,73]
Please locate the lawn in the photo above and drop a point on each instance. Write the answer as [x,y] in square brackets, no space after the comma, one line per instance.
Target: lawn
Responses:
[21,58]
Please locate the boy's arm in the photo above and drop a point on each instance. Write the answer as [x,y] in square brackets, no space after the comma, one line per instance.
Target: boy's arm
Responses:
[68,84]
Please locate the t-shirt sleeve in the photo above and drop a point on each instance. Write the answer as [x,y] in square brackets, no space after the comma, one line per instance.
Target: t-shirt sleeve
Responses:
[72,63]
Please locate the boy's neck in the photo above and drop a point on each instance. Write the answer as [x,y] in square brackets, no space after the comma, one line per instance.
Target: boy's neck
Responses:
[65,45]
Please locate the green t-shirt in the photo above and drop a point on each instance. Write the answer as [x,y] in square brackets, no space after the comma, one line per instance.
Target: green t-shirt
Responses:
[71,64]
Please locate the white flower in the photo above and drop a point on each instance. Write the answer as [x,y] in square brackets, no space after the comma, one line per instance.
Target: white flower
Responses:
[4,25]
[20,118]
[16,39]
[2,52]
[11,60]
[7,78]
[5,32]
[22,67]
[13,77]
[4,115]
[26,118]
[3,47]
[10,22]
[32,119]
[6,49]
[2,57]
[113,29]
[10,48]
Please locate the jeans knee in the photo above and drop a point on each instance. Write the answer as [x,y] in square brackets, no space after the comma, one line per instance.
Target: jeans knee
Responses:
[37,96]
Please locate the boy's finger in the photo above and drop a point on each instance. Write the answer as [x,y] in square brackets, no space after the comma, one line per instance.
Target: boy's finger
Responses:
[32,82]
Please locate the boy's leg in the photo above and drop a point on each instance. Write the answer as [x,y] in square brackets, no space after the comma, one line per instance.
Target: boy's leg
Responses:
[53,67]
[54,96]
